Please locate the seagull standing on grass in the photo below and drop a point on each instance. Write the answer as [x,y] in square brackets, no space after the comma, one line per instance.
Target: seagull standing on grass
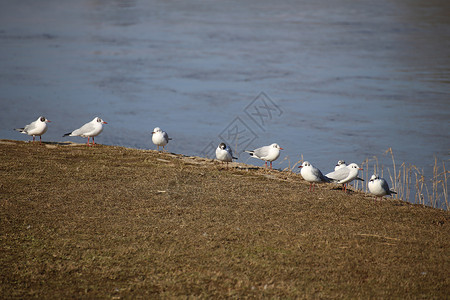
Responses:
[160,138]
[266,153]
[224,153]
[379,187]
[345,175]
[36,128]
[341,164]
[91,129]
[312,174]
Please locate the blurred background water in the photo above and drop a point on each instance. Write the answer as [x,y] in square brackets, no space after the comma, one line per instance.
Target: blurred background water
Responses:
[350,78]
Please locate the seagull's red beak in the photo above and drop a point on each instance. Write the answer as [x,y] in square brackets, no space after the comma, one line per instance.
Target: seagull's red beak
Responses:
[105,122]
[281,148]
[361,169]
[48,120]
[300,166]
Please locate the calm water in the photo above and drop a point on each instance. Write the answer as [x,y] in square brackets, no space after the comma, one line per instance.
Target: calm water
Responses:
[343,81]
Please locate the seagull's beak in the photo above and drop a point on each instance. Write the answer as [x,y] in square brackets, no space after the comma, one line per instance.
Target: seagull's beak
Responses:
[300,166]
[153,132]
[281,148]
[361,169]
[104,122]
[48,120]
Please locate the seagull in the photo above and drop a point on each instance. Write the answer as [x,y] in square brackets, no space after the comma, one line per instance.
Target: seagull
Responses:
[379,187]
[224,153]
[340,164]
[91,129]
[36,128]
[160,138]
[266,153]
[312,174]
[345,174]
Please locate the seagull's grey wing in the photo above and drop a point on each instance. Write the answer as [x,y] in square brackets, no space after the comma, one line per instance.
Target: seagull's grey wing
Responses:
[339,174]
[231,152]
[262,152]
[166,136]
[30,127]
[385,185]
[88,127]
[316,172]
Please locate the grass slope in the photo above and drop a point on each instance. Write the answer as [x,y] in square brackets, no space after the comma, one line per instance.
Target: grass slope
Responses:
[111,222]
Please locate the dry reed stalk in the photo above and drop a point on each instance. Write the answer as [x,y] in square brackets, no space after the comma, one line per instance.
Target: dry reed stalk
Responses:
[434,192]
[299,162]
[408,181]
[444,186]
[428,193]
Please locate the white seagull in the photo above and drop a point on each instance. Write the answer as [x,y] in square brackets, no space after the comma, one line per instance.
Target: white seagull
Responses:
[345,175]
[312,174]
[379,187]
[91,129]
[36,128]
[160,138]
[266,153]
[340,164]
[224,153]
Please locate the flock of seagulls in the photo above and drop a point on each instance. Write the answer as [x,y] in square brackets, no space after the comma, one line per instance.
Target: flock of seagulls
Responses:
[342,174]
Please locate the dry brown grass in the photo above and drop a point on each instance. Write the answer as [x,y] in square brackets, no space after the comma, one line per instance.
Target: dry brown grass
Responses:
[110,222]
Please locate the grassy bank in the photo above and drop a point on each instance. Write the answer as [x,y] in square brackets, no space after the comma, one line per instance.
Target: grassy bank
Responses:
[111,222]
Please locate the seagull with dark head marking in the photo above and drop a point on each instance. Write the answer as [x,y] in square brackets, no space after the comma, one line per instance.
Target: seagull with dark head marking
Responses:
[91,129]
[36,128]
[266,153]
[312,174]
[379,187]
[224,153]
[345,175]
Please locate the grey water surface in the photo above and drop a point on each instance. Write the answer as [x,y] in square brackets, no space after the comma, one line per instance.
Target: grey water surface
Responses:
[342,79]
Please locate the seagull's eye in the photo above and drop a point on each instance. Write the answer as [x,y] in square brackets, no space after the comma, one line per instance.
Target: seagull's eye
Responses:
[42,119]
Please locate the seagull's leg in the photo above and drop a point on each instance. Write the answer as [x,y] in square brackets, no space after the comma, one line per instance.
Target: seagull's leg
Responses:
[271,165]
[40,139]
[93,142]
[266,163]
[88,142]
[33,139]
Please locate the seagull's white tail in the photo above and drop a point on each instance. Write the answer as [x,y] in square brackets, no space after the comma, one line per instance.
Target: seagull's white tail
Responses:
[249,152]
[20,130]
